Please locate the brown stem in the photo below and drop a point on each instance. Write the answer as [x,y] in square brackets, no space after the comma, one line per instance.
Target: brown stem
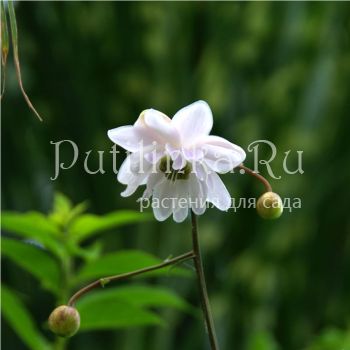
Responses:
[202,286]
[251,172]
[102,281]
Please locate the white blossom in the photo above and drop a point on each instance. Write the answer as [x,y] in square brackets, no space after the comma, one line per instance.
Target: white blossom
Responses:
[177,160]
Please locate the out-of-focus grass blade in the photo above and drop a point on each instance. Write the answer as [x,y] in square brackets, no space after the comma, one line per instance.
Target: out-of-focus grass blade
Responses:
[4,46]
[14,34]
[20,320]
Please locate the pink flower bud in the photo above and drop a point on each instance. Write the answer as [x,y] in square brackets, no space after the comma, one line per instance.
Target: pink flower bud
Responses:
[64,321]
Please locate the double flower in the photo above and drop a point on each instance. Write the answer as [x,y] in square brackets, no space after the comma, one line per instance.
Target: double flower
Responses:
[177,159]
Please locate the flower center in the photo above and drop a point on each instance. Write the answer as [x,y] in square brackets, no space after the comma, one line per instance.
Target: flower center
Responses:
[166,166]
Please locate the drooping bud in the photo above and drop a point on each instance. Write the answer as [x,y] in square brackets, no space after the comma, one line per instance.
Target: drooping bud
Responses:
[269,206]
[64,321]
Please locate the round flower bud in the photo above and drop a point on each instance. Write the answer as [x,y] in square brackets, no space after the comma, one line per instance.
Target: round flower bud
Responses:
[269,206]
[64,321]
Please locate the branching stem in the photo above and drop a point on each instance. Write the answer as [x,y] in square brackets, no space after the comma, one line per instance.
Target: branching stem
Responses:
[194,254]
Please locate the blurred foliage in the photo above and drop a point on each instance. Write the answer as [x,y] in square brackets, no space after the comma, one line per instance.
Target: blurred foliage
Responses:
[51,257]
[270,70]
[331,339]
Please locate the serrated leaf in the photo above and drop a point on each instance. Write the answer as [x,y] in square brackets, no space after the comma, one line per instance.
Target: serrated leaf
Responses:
[87,225]
[34,226]
[35,261]
[122,262]
[18,317]
[95,313]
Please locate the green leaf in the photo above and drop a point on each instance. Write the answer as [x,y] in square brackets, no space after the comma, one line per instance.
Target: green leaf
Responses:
[35,226]
[88,225]
[28,223]
[63,212]
[61,209]
[96,313]
[21,321]
[61,203]
[140,296]
[122,262]
[89,253]
[35,261]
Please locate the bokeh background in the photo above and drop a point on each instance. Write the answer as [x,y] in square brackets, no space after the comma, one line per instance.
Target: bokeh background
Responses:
[274,71]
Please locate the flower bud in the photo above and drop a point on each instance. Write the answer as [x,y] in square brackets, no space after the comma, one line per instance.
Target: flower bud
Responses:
[64,321]
[269,206]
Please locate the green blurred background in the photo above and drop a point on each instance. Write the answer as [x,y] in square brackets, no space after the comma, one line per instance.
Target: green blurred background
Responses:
[275,71]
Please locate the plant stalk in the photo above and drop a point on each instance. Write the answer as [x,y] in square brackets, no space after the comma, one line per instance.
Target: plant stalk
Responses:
[209,322]
[268,187]
[103,281]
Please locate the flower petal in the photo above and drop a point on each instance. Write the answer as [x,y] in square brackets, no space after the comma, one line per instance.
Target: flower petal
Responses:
[124,171]
[134,172]
[179,162]
[130,189]
[221,155]
[180,211]
[201,170]
[133,167]
[193,153]
[153,180]
[217,192]
[193,121]
[154,156]
[130,137]
[197,194]
[177,157]
[161,203]
[141,119]
[161,126]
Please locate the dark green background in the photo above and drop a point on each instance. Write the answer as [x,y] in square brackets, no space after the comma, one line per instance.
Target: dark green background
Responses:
[275,71]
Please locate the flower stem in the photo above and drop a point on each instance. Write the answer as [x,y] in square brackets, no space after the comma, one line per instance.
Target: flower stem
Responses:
[251,172]
[103,281]
[209,323]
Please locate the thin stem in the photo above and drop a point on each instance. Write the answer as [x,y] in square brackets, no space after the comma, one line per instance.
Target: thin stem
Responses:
[14,35]
[66,265]
[103,281]
[251,172]
[202,285]
[60,343]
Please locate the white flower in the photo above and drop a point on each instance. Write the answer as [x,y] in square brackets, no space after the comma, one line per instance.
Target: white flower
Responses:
[177,160]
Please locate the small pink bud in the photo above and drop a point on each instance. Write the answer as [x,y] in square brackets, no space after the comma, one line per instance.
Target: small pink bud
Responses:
[64,321]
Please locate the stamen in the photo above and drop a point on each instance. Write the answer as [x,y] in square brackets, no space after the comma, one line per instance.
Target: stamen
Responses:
[166,166]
